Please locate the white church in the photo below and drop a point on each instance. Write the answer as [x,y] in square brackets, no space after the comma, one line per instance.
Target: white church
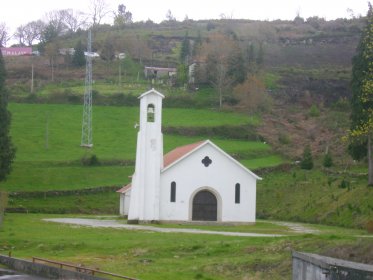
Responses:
[196,182]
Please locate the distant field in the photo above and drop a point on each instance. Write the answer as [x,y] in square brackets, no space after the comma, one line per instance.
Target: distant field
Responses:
[49,155]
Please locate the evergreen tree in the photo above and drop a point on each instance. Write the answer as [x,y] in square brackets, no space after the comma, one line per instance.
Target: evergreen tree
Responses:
[78,57]
[260,55]
[7,150]
[362,97]
[236,67]
[328,161]
[307,161]
[185,49]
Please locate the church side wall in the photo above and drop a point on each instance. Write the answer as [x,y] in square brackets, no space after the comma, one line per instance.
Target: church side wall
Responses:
[220,177]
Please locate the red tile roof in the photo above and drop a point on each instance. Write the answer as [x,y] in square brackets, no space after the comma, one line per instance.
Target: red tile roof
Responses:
[170,158]
[125,188]
[178,153]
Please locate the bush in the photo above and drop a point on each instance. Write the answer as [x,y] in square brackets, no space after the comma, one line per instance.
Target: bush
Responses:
[369,226]
[90,160]
[328,161]
[344,184]
[284,138]
[307,161]
[314,111]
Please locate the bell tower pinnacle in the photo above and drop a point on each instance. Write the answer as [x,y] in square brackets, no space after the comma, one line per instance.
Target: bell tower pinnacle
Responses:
[144,204]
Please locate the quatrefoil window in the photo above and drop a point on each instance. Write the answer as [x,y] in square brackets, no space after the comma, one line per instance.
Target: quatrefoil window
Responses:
[206,161]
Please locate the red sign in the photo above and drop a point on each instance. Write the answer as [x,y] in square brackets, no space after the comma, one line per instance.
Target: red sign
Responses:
[16,51]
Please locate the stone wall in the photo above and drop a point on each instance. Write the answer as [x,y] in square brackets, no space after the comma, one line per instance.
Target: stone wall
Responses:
[315,267]
[43,270]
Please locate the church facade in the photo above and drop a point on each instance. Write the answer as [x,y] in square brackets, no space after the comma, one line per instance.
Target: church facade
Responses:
[195,182]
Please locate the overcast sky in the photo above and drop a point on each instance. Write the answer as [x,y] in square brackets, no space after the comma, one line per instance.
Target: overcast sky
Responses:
[17,12]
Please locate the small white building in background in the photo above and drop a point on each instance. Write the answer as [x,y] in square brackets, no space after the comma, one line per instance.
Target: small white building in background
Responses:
[195,182]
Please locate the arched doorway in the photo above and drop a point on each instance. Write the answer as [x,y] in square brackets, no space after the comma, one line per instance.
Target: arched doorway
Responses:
[205,206]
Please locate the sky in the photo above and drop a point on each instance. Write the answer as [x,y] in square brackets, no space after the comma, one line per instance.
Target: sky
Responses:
[17,12]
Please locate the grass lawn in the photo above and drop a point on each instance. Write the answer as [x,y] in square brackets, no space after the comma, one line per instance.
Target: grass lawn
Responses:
[47,138]
[53,132]
[152,255]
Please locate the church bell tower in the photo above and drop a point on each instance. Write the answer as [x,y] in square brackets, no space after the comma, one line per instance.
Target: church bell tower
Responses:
[144,203]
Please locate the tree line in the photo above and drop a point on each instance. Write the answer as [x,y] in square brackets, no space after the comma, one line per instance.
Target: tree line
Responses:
[63,22]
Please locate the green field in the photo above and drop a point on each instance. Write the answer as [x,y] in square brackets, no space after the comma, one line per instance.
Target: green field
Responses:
[151,255]
[47,138]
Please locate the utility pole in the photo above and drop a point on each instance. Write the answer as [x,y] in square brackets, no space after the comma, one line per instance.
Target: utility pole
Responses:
[32,77]
[87,107]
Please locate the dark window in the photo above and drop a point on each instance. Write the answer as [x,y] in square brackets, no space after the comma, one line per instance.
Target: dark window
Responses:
[173,192]
[150,112]
[237,193]
[206,161]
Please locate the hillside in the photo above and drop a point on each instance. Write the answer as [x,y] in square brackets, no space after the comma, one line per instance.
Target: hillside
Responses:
[304,70]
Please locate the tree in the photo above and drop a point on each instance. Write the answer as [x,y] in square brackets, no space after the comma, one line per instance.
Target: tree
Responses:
[78,59]
[56,22]
[307,161]
[108,51]
[182,74]
[252,94]
[7,150]
[327,161]
[222,53]
[33,31]
[73,20]
[99,9]
[4,34]
[169,16]
[20,35]
[185,49]
[361,131]
[122,17]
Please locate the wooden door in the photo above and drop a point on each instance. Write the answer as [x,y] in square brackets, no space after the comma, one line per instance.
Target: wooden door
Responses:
[205,207]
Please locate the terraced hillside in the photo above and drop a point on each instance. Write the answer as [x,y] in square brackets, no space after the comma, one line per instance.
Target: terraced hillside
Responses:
[49,156]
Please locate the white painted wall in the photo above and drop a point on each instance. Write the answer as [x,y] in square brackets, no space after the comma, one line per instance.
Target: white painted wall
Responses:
[124,203]
[149,161]
[220,177]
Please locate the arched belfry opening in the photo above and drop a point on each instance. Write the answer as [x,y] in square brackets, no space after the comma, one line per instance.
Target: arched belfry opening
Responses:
[205,206]
[150,113]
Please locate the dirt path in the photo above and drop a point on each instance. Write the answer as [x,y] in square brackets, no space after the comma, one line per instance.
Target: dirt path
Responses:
[116,224]
[298,228]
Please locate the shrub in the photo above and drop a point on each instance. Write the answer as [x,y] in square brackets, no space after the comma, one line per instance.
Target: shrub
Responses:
[314,111]
[344,184]
[90,160]
[284,138]
[369,226]
[307,161]
[328,161]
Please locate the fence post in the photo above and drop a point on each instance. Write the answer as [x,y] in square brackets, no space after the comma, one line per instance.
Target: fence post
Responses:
[3,204]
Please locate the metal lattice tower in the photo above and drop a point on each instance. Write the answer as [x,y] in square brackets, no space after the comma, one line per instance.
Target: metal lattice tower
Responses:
[87,110]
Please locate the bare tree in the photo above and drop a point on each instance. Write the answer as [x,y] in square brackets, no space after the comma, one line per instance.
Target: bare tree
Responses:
[170,16]
[20,34]
[218,53]
[73,19]
[4,34]
[56,21]
[99,9]
[33,31]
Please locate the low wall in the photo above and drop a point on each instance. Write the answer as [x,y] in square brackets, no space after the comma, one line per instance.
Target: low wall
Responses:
[315,267]
[43,270]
